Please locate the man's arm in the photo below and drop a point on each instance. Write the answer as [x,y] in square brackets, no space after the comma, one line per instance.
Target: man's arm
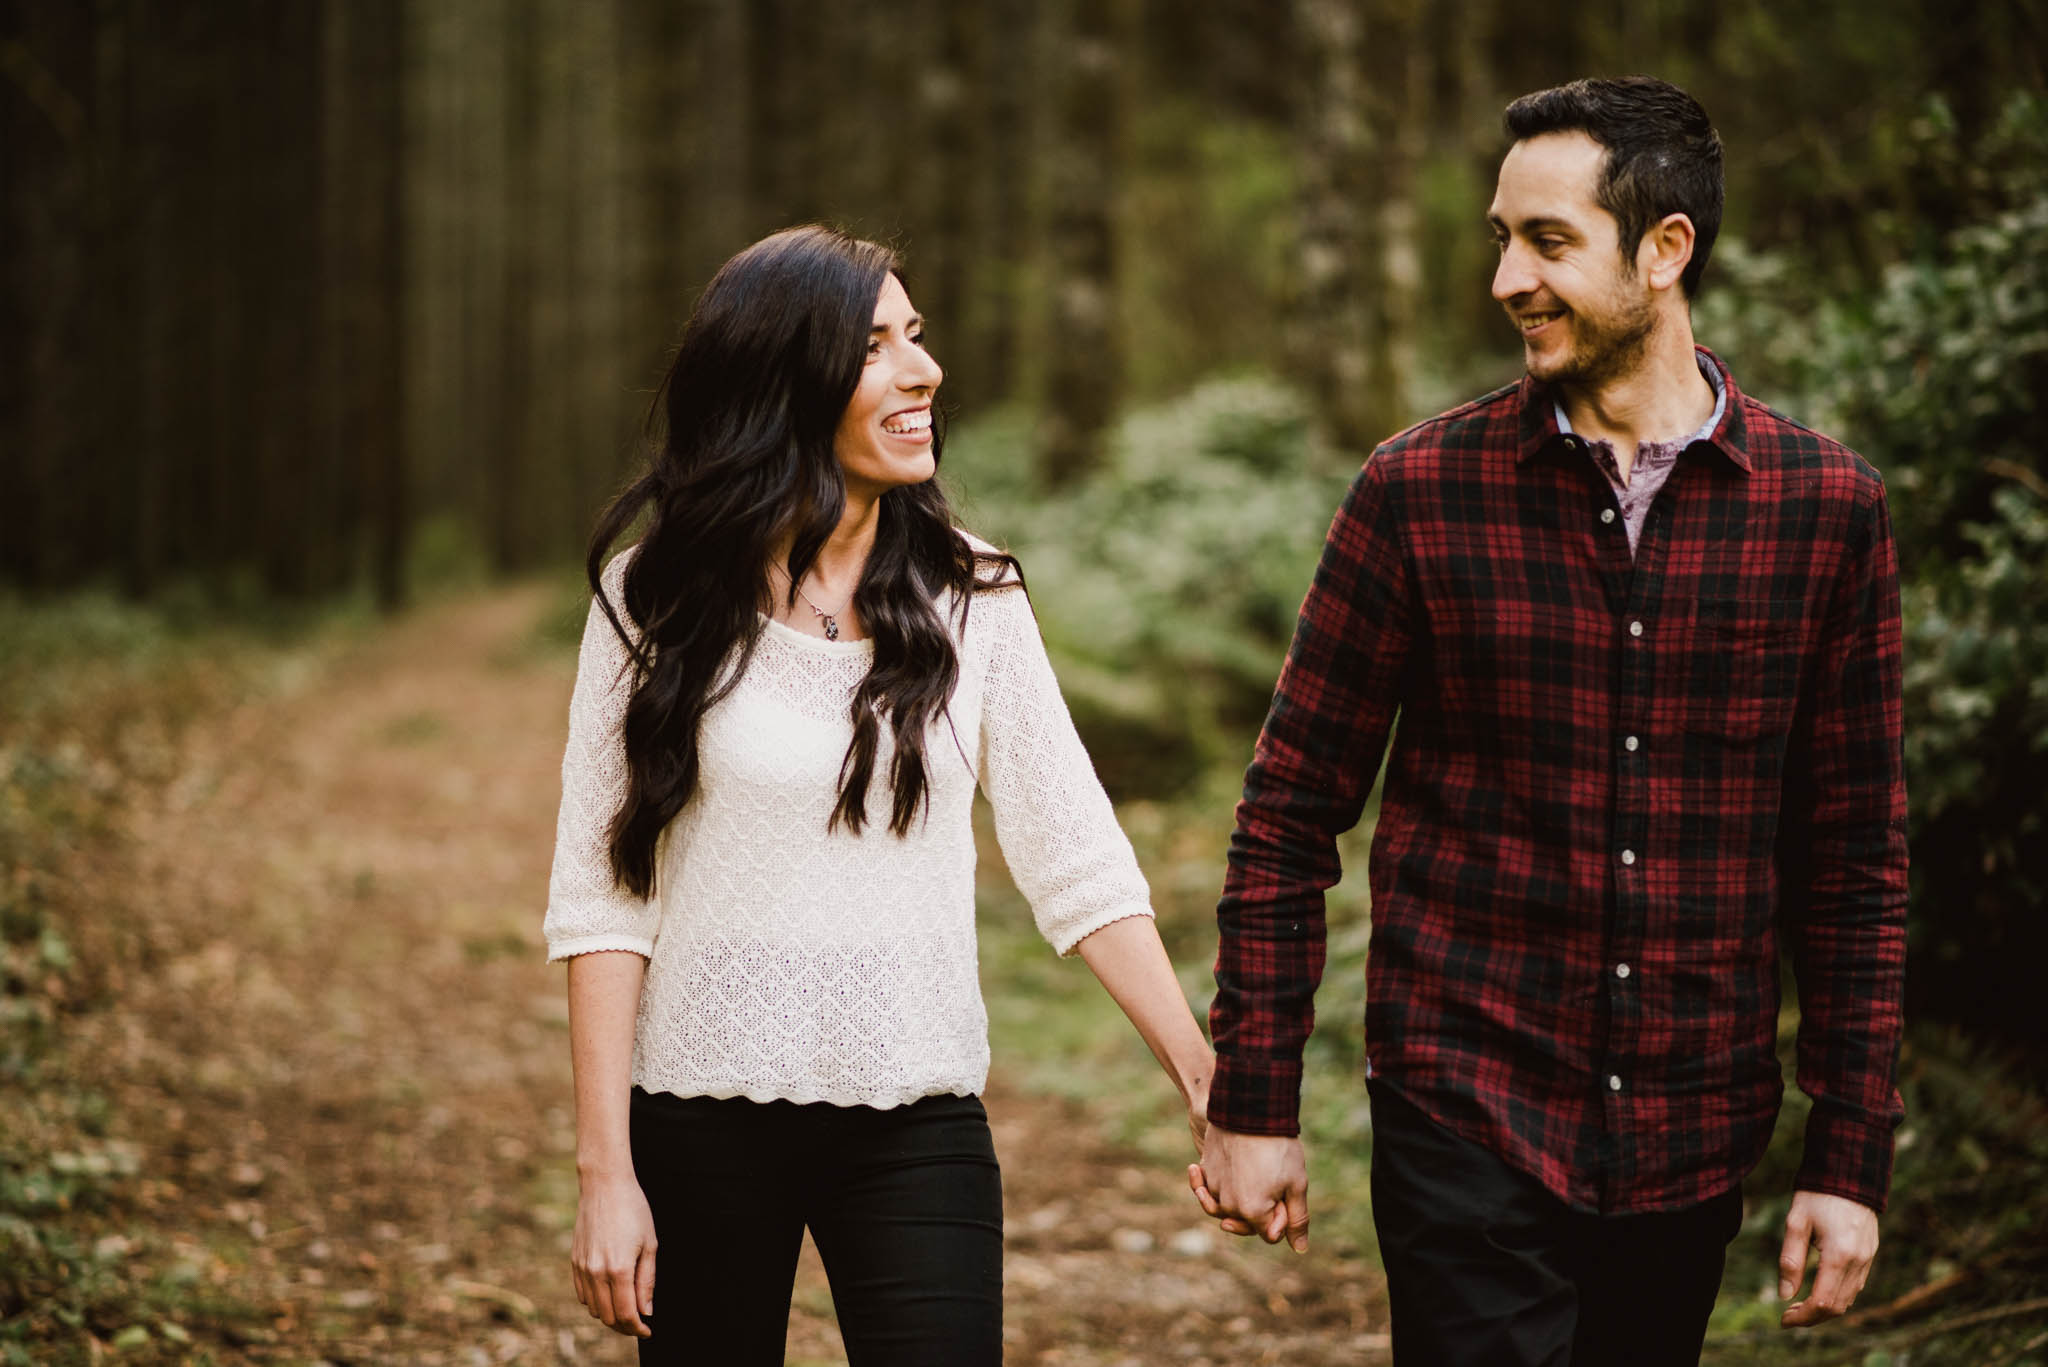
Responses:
[1843,857]
[1314,764]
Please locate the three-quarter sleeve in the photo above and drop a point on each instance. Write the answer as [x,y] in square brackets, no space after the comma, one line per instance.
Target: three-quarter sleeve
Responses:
[1054,822]
[587,910]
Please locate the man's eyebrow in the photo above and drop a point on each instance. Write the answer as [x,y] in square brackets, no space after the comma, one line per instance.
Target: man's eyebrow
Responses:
[1537,224]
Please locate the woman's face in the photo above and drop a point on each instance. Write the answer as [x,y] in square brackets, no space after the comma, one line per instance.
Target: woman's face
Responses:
[885,434]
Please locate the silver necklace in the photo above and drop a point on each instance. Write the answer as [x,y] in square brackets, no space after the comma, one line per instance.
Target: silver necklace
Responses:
[829,619]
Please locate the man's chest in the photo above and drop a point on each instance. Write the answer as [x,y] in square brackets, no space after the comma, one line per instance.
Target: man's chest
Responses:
[1533,610]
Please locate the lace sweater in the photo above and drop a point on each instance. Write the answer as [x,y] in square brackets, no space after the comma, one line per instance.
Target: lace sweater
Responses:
[786,962]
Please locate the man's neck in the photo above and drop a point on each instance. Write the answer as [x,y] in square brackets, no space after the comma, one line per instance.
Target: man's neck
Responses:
[1663,399]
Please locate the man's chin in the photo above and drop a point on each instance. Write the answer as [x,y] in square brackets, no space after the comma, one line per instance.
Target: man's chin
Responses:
[1548,366]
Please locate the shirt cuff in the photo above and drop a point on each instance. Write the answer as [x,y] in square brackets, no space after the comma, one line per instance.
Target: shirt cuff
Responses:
[1846,1155]
[1256,1094]
[591,944]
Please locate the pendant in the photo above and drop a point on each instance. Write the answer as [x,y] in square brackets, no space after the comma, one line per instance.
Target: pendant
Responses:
[831,627]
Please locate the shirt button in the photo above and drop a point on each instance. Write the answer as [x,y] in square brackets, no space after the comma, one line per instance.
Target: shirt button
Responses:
[1607,515]
[1614,1082]
[1631,744]
[1635,628]
[1628,856]
[1621,970]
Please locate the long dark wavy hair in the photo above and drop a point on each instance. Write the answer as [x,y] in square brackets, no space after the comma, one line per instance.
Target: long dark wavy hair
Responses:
[741,457]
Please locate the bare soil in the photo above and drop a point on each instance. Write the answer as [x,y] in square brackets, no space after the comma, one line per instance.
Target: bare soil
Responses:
[345,1069]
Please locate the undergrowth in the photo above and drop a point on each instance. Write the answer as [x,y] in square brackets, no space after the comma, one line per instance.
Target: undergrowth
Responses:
[94,695]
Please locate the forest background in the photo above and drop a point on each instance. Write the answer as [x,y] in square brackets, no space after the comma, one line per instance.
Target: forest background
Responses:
[321,309]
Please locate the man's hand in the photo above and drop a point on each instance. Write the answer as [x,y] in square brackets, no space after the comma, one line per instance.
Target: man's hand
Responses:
[1844,1234]
[1254,1184]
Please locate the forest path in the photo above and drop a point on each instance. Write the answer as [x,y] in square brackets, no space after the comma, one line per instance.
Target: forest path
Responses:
[352,1070]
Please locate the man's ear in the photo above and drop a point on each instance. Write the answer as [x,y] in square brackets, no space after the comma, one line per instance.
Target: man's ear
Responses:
[1665,251]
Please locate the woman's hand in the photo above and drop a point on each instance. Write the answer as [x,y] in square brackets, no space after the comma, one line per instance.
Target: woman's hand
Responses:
[612,1255]
[1198,1108]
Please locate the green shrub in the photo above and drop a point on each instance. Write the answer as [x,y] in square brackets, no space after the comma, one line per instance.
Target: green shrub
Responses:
[1167,581]
[1939,377]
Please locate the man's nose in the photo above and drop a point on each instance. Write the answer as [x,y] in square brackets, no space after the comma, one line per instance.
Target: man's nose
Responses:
[1512,276]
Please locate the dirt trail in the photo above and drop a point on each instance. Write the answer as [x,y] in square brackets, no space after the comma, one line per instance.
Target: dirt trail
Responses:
[353,1075]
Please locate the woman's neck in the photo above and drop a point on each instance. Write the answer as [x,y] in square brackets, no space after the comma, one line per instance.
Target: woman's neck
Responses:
[828,584]
[844,555]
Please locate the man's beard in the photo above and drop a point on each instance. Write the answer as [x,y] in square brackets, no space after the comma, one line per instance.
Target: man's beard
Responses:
[1607,349]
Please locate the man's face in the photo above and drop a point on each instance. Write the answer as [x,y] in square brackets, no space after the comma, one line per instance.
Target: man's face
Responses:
[1585,315]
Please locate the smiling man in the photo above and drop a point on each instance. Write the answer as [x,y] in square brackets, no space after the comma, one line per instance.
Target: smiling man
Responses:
[1642,636]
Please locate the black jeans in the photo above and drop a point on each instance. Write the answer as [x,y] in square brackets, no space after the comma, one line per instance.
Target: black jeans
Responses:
[905,1206]
[1484,1265]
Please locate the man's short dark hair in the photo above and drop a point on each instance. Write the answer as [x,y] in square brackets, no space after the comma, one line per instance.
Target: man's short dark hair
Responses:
[1663,155]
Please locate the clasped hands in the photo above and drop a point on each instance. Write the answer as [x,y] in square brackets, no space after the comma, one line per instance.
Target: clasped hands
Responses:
[1251,1183]
[1258,1184]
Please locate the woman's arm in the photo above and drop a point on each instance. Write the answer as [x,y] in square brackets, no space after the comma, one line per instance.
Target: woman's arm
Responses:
[1128,959]
[1066,851]
[612,1256]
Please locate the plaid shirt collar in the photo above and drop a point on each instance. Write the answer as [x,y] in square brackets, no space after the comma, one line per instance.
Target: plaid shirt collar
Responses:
[1539,434]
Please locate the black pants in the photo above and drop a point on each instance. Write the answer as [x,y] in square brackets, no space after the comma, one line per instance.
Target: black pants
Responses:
[1484,1265]
[905,1206]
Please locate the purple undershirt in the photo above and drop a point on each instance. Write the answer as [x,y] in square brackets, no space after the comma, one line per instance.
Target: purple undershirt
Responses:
[1653,463]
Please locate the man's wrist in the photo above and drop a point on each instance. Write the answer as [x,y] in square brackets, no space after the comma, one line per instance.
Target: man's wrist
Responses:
[1256,1094]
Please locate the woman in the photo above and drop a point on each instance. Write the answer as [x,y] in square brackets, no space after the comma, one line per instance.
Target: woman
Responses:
[789,690]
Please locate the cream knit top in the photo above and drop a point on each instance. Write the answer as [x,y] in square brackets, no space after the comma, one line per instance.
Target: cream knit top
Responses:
[786,962]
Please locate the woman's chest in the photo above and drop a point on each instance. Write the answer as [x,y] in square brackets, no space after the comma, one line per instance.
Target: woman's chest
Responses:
[786,732]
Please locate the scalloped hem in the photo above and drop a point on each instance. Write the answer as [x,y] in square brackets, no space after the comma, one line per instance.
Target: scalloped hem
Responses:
[880,1102]
[594,944]
[1098,921]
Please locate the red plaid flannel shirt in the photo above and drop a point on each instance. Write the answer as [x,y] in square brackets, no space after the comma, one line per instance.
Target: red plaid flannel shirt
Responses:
[1616,786]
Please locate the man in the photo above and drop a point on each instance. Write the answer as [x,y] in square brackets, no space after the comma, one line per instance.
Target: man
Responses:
[1642,635]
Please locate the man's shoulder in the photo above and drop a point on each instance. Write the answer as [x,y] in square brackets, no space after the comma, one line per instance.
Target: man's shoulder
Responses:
[1486,424]
[1808,460]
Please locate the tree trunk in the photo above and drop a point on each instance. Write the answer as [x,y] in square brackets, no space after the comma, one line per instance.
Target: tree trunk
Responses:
[1082,342]
[361,369]
[1357,265]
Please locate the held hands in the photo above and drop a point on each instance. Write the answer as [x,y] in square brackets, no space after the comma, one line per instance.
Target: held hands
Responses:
[1254,1184]
[612,1256]
[1844,1234]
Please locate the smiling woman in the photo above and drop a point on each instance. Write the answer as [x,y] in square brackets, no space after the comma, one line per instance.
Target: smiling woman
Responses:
[885,436]
[774,1006]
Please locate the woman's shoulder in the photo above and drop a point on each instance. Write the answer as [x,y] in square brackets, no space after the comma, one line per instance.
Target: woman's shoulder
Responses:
[994,567]
[613,576]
